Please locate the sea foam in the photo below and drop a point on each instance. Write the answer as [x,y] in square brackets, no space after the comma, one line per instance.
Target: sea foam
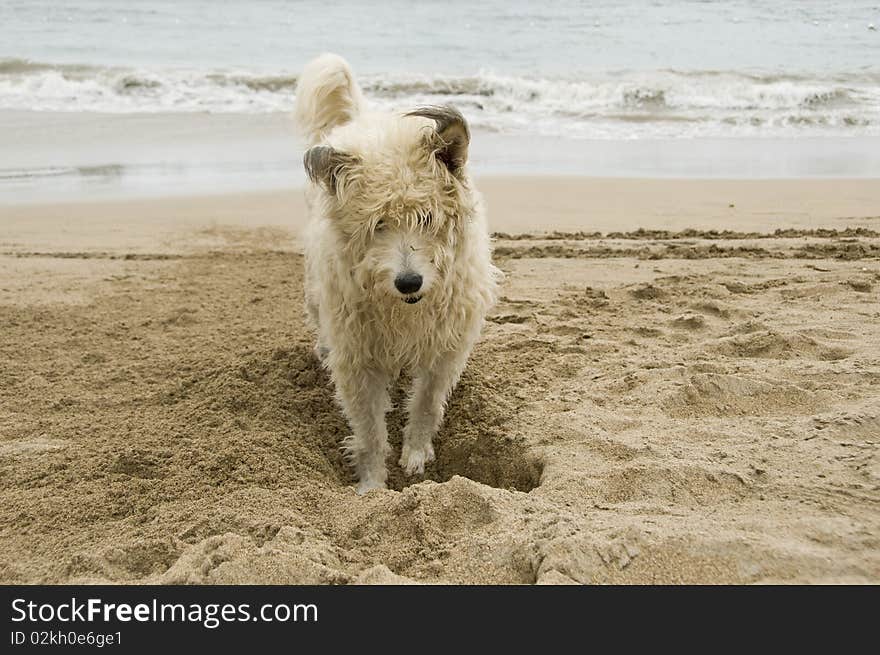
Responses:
[624,104]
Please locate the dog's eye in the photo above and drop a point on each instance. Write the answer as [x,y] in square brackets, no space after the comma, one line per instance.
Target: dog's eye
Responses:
[379,226]
[425,219]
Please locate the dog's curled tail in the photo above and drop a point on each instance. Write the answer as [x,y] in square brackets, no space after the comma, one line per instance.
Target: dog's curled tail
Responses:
[326,96]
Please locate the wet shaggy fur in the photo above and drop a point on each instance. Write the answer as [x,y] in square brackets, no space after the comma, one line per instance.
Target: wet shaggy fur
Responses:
[398,260]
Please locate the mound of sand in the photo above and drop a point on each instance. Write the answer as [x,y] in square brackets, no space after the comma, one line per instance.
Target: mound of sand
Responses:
[637,411]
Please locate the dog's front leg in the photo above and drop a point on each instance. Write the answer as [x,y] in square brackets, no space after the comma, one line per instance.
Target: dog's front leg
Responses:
[427,402]
[364,399]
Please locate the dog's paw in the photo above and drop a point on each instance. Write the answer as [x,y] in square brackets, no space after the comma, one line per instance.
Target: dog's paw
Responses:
[414,458]
[367,485]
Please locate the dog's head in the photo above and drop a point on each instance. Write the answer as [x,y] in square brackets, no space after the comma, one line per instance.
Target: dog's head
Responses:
[397,194]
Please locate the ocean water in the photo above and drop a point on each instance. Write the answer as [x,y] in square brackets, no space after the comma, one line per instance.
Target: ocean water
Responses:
[103,97]
[608,69]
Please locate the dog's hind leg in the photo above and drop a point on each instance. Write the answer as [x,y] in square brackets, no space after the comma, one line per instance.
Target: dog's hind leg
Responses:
[427,403]
[321,351]
[364,399]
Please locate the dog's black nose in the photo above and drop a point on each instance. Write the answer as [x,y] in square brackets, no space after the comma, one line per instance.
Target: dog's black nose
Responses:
[408,282]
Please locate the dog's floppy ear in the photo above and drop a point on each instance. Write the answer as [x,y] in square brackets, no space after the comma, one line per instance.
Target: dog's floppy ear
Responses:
[325,165]
[453,135]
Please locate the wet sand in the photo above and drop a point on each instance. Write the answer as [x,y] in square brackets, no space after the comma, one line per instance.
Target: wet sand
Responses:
[52,157]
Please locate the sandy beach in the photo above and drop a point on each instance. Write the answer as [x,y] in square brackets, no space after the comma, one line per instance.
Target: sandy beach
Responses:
[680,383]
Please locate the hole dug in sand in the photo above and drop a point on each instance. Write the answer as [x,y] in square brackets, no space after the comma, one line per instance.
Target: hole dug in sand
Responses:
[473,441]
[281,406]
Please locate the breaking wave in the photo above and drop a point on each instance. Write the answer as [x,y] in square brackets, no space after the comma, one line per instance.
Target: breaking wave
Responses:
[601,105]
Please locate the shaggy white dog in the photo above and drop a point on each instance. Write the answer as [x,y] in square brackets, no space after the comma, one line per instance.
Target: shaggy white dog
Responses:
[398,260]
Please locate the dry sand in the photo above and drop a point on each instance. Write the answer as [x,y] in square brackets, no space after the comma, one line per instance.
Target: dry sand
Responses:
[645,406]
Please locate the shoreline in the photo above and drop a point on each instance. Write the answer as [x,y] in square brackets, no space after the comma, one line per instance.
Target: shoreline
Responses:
[63,157]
